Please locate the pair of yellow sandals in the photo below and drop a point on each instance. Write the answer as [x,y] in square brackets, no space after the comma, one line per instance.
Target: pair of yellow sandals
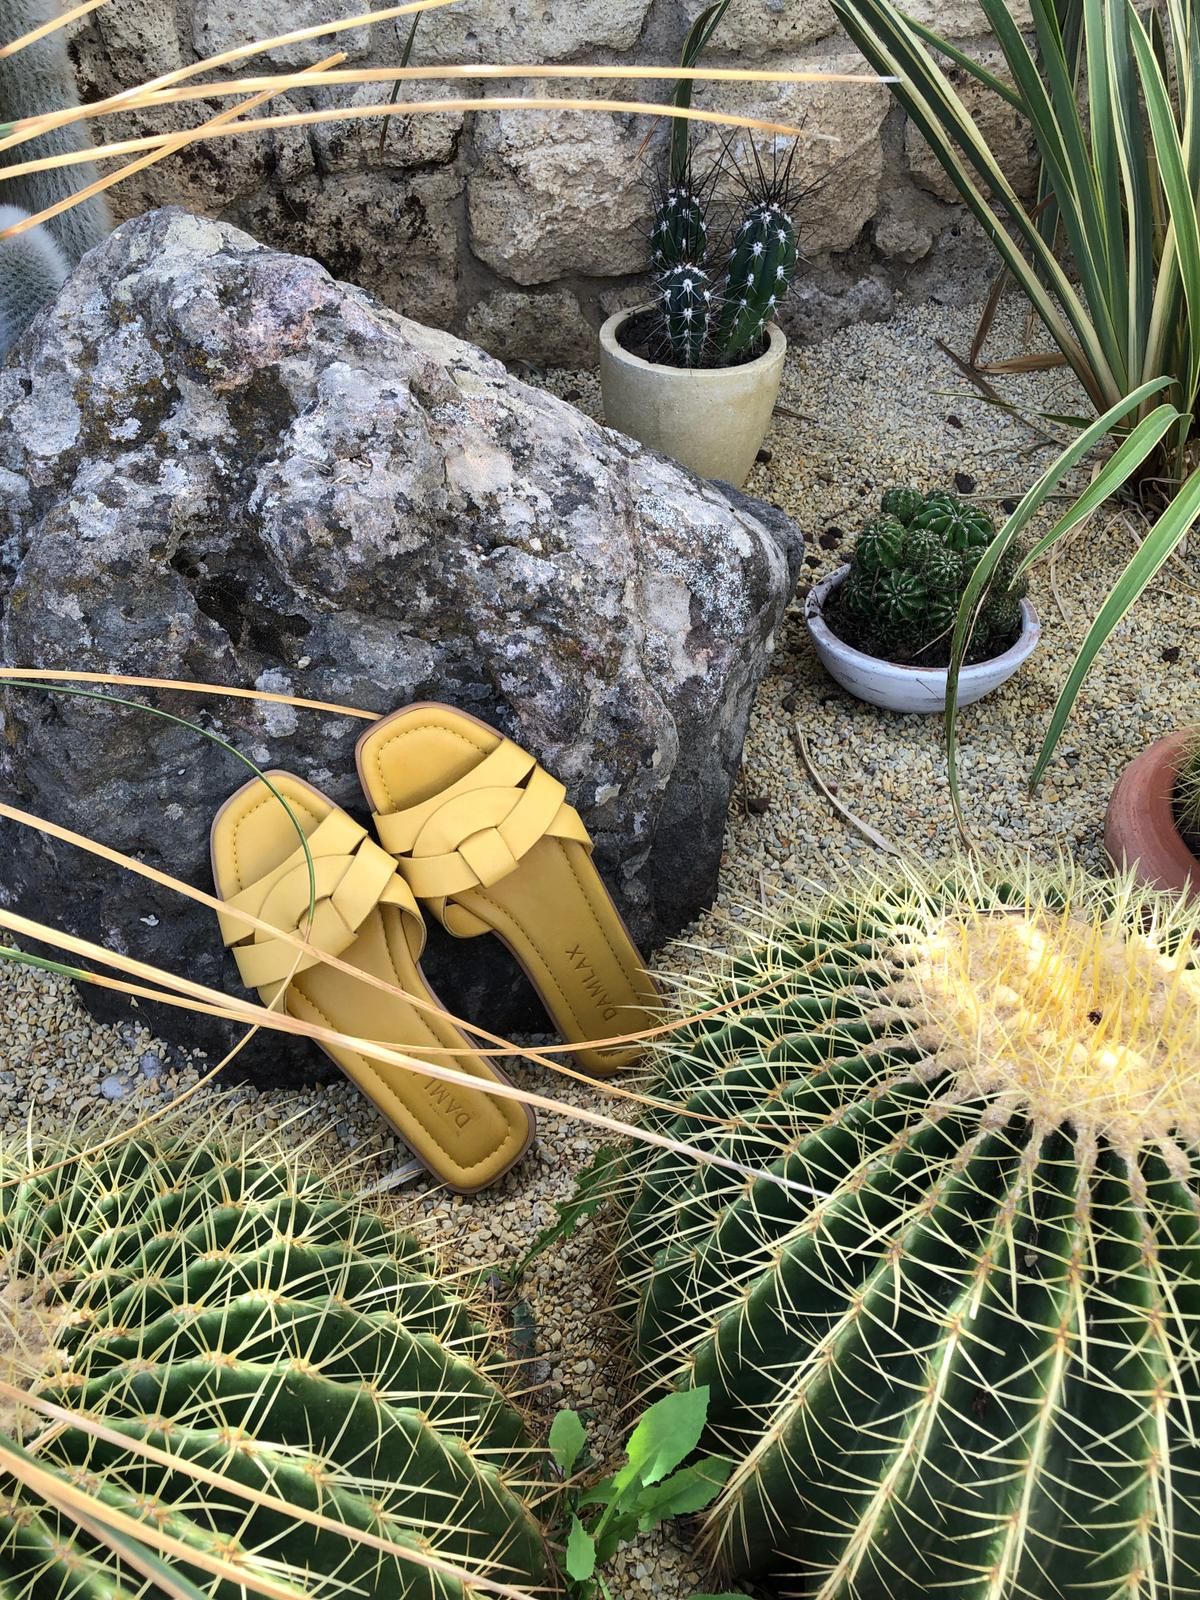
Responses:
[473,829]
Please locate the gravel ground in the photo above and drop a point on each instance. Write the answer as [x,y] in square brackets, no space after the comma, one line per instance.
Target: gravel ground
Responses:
[873,406]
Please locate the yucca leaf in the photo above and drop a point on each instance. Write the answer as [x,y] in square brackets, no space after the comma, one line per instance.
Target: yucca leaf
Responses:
[1130,454]
[1181,249]
[694,46]
[1154,549]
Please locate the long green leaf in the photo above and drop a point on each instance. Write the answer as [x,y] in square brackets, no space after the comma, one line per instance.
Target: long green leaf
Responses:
[1154,549]
[698,38]
[1183,238]
[895,50]
[1116,471]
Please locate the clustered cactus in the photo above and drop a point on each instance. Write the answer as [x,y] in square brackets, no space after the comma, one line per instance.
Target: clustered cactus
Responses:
[910,566]
[247,1318]
[715,312]
[952,1335]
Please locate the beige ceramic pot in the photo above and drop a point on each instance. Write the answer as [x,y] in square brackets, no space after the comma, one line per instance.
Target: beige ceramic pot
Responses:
[713,420]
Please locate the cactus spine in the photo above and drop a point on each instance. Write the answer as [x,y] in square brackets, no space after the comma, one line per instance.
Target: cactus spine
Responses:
[962,1354]
[248,1318]
[35,79]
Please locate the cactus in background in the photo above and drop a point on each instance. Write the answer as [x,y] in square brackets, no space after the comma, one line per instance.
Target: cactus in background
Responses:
[35,79]
[759,275]
[748,280]
[32,270]
[686,312]
[248,1318]
[960,1354]
[901,596]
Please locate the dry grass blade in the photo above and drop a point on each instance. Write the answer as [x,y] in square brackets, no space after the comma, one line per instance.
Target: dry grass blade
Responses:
[86,1509]
[496,1045]
[225,128]
[174,990]
[255,47]
[47,28]
[164,147]
[879,840]
[80,1506]
[186,686]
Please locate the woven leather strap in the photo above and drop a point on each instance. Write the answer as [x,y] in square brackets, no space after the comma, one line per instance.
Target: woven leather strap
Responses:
[474,833]
[352,876]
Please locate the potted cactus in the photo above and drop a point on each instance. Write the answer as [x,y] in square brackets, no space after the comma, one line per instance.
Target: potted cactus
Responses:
[882,624]
[695,373]
[1153,820]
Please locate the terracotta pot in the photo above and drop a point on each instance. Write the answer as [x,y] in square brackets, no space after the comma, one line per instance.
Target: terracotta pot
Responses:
[1140,830]
[712,421]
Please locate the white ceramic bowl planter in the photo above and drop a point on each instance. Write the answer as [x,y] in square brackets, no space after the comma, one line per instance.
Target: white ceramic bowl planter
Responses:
[898,688]
[712,419]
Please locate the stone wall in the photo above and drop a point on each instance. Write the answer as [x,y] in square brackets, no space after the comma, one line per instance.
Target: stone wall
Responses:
[521,229]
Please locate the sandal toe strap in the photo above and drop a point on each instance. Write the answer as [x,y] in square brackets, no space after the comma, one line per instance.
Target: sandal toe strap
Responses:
[350,877]
[476,832]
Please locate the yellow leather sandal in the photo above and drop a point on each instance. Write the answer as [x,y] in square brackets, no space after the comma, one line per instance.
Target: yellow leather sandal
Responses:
[367,916]
[488,844]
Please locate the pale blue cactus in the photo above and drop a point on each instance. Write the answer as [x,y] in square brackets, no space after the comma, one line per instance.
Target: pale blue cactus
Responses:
[33,80]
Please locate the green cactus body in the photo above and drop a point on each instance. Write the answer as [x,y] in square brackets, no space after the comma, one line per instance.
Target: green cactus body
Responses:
[903,504]
[249,1319]
[901,598]
[680,232]
[761,267]
[880,545]
[960,1354]
[962,527]
[686,312]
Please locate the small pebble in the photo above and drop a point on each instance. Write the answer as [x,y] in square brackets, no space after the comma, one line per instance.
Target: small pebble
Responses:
[114,1088]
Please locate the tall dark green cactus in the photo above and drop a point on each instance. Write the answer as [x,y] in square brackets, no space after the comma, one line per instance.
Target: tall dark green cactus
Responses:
[747,285]
[251,1320]
[761,267]
[952,1335]
[686,312]
[680,232]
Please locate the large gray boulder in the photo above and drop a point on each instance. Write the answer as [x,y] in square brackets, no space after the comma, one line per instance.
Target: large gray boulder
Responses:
[217,463]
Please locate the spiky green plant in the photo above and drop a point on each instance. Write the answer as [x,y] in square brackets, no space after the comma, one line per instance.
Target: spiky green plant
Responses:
[953,1340]
[34,79]
[762,264]
[248,1319]
[908,575]
[680,231]
[961,526]
[902,503]
[685,309]
[1187,787]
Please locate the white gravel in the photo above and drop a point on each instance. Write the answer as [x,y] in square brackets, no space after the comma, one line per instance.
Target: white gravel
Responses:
[875,405]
